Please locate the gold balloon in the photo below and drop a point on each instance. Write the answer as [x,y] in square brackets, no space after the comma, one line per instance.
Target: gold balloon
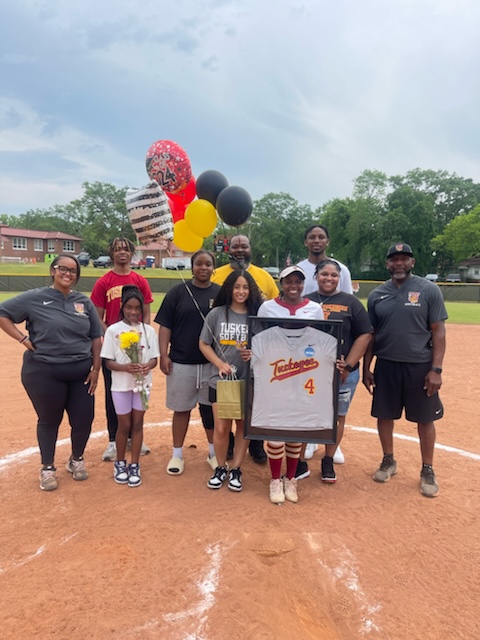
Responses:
[201,217]
[185,239]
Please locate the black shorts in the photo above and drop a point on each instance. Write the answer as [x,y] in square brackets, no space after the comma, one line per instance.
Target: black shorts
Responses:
[400,385]
[212,395]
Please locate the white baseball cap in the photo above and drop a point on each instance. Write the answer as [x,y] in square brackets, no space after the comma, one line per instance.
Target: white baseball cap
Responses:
[292,269]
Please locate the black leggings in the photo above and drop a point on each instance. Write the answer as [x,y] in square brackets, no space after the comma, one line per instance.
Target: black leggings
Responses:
[54,389]
[206,413]
[112,419]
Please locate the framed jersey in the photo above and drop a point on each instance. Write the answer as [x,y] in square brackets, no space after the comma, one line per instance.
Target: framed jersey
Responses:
[294,382]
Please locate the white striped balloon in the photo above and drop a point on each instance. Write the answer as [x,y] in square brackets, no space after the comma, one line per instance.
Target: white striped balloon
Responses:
[149,213]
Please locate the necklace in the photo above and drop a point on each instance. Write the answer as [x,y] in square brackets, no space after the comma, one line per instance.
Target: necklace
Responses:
[322,302]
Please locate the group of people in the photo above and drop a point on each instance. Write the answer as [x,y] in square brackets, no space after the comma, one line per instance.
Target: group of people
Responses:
[202,338]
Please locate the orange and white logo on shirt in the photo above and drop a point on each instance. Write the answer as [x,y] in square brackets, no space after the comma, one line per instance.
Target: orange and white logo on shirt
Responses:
[283,369]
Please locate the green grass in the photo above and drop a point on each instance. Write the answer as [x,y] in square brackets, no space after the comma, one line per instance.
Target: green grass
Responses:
[42,269]
[458,312]
[463,312]
[157,299]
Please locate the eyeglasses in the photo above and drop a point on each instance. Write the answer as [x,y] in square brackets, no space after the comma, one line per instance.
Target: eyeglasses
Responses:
[64,270]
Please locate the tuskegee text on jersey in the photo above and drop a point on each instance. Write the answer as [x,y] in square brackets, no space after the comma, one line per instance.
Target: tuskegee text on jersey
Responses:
[283,369]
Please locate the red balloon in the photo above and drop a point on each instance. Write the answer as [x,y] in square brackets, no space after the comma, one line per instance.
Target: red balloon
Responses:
[187,195]
[177,209]
[169,165]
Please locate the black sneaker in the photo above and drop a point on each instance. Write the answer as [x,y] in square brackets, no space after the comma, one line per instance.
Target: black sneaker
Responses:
[235,480]
[257,451]
[302,470]
[218,478]
[328,472]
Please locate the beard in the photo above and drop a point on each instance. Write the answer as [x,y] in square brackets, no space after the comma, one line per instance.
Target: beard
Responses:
[239,263]
[401,275]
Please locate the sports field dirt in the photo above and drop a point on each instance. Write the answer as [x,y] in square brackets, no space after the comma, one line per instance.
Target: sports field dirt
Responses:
[173,560]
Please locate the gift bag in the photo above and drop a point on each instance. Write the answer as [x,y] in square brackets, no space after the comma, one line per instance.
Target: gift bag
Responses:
[230,398]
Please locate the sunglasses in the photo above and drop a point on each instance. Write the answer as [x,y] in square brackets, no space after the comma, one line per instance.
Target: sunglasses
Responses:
[64,270]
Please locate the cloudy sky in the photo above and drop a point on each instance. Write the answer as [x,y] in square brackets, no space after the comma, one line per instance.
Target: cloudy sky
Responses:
[279,95]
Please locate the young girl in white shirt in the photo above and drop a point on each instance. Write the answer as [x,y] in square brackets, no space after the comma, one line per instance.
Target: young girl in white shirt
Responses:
[126,378]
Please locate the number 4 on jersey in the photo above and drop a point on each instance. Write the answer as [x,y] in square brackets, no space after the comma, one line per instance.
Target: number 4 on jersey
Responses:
[310,386]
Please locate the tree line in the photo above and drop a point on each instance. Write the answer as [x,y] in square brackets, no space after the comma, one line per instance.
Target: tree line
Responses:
[436,212]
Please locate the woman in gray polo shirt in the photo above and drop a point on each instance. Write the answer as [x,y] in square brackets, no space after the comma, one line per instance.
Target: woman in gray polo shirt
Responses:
[61,361]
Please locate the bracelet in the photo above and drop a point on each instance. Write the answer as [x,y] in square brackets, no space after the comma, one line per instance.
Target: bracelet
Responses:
[93,370]
[24,339]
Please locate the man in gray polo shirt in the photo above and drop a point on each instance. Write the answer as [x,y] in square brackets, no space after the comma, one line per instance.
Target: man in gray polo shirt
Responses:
[408,316]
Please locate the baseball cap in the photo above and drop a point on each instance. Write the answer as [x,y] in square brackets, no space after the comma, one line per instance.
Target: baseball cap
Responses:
[399,247]
[292,269]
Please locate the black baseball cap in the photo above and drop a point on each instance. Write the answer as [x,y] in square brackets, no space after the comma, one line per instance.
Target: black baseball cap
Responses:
[399,247]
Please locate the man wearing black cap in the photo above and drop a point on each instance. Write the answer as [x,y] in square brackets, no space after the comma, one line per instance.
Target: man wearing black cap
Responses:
[408,316]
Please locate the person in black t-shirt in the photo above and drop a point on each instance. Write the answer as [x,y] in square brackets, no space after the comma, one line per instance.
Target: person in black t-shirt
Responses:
[356,336]
[181,317]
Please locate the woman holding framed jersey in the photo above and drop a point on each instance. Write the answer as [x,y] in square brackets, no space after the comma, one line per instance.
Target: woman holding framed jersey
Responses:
[290,304]
[356,333]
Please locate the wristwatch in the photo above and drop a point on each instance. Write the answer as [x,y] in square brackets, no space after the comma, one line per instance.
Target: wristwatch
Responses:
[348,367]
[437,369]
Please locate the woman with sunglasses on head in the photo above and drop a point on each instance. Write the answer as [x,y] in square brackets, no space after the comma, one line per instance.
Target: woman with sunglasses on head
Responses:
[356,335]
[61,361]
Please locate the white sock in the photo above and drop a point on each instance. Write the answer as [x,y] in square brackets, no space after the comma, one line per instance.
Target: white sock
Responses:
[211,450]
[178,452]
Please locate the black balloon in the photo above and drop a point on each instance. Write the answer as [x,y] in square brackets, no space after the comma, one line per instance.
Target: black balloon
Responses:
[209,184]
[234,206]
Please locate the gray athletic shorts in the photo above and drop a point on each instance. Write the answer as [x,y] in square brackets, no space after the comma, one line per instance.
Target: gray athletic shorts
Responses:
[187,384]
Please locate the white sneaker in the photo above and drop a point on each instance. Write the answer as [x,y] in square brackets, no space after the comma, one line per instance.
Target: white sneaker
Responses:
[339,458]
[144,450]
[310,450]
[290,489]
[110,453]
[134,477]
[277,495]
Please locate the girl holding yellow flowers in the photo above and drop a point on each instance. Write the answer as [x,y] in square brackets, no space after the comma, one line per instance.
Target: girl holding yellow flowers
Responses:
[130,350]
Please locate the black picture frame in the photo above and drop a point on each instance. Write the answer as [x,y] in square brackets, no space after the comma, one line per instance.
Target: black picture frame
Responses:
[309,434]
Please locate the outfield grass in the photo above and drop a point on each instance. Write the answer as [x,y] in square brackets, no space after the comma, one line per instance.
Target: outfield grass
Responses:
[157,298]
[458,312]
[42,269]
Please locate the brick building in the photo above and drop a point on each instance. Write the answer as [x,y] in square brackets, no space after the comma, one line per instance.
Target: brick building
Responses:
[26,245]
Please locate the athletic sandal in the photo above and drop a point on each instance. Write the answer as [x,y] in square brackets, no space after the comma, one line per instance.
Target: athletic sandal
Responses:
[175,467]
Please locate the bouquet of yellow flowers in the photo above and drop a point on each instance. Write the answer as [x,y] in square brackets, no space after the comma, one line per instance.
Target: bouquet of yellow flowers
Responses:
[130,345]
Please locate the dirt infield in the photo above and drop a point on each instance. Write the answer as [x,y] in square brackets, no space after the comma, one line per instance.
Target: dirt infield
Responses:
[172,560]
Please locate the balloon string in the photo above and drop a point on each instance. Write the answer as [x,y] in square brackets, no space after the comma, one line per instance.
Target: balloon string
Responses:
[195,302]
